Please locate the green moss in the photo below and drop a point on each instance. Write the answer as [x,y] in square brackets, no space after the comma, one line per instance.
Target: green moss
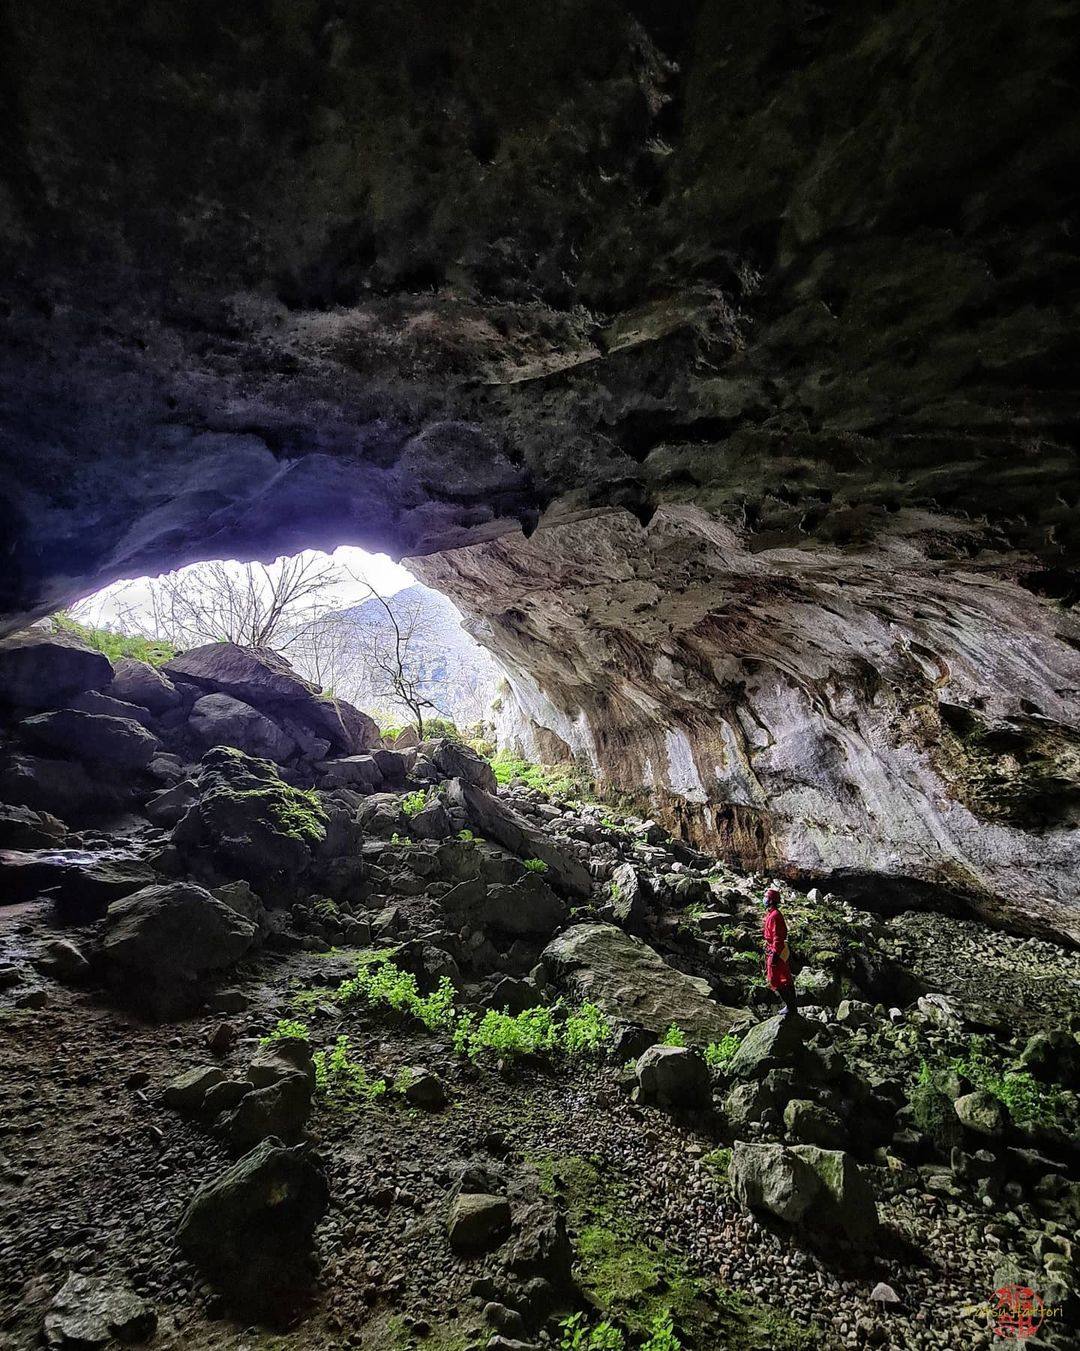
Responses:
[294,812]
[115,645]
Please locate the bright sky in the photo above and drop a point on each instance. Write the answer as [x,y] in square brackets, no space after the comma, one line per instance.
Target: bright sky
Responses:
[107,607]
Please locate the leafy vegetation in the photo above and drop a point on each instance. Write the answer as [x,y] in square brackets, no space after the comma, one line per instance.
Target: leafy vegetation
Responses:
[535,865]
[561,781]
[287,1029]
[718,1053]
[412,803]
[1029,1102]
[379,982]
[577,1335]
[719,1160]
[674,1036]
[467,836]
[343,1081]
[115,645]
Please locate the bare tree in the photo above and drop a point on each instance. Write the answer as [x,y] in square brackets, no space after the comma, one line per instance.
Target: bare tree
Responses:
[253,604]
[392,657]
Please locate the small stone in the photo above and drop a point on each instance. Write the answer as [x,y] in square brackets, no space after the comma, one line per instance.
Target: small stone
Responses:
[477,1221]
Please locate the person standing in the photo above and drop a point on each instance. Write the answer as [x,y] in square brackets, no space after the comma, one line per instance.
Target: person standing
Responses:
[777,957]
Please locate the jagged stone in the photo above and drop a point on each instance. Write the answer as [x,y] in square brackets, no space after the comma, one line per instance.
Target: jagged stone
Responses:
[477,1221]
[250,1231]
[674,1077]
[632,984]
[42,670]
[93,738]
[23,828]
[91,1311]
[494,818]
[221,720]
[137,682]
[820,1189]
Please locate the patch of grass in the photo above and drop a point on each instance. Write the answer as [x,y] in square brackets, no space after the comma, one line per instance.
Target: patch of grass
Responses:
[718,1053]
[561,781]
[674,1036]
[535,865]
[342,1081]
[287,1029]
[326,908]
[115,645]
[306,1000]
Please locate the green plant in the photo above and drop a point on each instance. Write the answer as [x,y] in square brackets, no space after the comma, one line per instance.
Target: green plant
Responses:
[662,1334]
[466,835]
[578,1336]
[344,1081]
[674,1036]
[1028,1101]
[586,1031]
[412,803]
[535,865]
[115,645]
[932,1111]
[434,727]
[718,1053]
[326,908]
[287,1029]
[562,781]
[506,1034]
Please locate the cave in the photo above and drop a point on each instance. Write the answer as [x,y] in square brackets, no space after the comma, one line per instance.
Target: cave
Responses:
[718,362]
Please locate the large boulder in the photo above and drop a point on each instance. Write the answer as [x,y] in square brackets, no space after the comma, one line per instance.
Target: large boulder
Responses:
[160,943]
[527,908]
[279,1109]
[251,1230]
[93,701]
[93,738]
[454,760]
[24,828]
[769,1044]
[628,898]
[822,1190]
[351,771]
[137,682]
[45,670]
[477,1221]
[499,822]
[251,822]
[633,984]
[60,787]
[221,720]
[267,682]
[81,883]
[673,1077]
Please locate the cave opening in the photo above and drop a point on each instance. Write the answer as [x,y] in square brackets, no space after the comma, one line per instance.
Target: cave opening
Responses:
[645,917]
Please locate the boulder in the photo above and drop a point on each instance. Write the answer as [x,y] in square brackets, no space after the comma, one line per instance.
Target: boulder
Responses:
[351,771]
[380,814]
[424,1089]
[280,1058]
[1053,1056]
[80,882]
[527,908]
[280,1109]
[251,1230]
[982,1113]
[393,765]
[62,787]
[267,682]
[93,701]
[188,1090]
[221,720]
[44,670]
[91,1311]
[811,1124]
[477,1221]
[63,960]
[776,1041]
[496,820]
[431,823]
[454,760]
[169,806]
[24,828]
[253,823]
[628,898]
[159,943]
[633,984]
[821,1190]
[673,1077]
[93,738]
[137,682]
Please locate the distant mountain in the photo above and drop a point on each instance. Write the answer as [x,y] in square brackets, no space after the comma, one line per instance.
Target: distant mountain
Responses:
[455,672]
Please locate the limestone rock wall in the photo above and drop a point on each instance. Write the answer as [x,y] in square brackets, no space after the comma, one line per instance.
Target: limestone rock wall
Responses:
[892,715]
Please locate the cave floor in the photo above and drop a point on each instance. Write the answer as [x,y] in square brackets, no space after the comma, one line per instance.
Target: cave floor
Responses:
[95,1173]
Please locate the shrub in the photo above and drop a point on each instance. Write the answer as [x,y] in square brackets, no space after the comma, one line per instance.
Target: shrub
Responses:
[521,1034]
[434,727]
[719,1160]
[1028,1101]
[535,865]
[718,1053]
[287,1029]
[466,835]
[344,1081]
[674,1036]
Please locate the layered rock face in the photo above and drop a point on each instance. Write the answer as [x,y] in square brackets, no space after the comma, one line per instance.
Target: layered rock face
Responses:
[892,714]
[794,288]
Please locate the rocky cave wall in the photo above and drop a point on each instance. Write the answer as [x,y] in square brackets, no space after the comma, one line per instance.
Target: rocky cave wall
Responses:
[765,313]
